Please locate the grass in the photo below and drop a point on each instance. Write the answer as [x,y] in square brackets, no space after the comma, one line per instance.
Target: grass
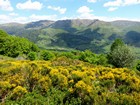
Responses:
[2,57]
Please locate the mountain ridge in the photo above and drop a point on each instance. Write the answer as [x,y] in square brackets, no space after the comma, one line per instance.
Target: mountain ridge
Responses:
[80,34]
[73,20]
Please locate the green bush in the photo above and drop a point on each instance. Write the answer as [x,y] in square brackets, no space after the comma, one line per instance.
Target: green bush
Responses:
[121,56]
[98,59]
[3,33]
[13,46]
[32,56]
[138,66]
[46,55]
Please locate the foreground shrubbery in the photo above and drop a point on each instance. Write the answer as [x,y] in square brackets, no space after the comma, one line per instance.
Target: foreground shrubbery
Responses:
[67,81]
[13,46]
[66,78]
[121,55]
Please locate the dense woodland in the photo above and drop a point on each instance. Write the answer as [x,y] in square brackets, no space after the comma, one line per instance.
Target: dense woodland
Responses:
[30,75]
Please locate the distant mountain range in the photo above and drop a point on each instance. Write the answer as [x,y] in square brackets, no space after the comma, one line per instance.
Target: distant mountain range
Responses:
[78,34]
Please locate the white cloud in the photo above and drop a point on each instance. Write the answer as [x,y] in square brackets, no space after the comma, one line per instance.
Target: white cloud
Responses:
[6,5]
[85,12]
[13,14]
[29,5]
[20,19]
[108,19]
[123,18]
[9,19]
[118,3]
[86,16]
[4,18]
[112,9]
[113,3]
[131,2]
[84,9]
[59,9]
[34,17]
[92,1]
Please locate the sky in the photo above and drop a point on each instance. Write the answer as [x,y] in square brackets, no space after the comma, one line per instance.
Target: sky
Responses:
[24,11]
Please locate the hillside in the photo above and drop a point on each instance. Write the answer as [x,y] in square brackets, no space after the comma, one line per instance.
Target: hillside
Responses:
[14,46]
[78,34]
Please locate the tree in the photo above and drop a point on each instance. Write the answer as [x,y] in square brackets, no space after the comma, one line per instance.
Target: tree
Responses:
[121,56]
[116,43]
[14,46]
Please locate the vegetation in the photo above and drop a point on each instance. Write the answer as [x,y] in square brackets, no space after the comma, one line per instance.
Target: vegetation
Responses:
[116,43]
[79,34]
[67,81]
[13,46]
[46,55]
[32,56]
[121,55]
[138,66]
[66,78]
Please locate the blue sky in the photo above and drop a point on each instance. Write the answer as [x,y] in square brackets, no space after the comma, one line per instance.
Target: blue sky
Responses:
[24,11]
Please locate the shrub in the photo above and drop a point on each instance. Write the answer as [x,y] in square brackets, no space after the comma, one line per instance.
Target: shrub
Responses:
[121,56]
[138,66]
[32,56]
[42,83]
[116,43]
[46,55]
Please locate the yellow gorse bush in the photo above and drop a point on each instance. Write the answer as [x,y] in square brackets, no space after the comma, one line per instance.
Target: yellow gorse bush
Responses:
[18,78]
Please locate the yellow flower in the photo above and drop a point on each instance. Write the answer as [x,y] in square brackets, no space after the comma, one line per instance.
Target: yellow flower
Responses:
[5,84]
[71,81]
[71,90]
[89,89]
[80,85]
[19,90]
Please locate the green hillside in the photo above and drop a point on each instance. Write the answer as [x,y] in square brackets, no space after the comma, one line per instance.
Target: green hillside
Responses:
[80,34]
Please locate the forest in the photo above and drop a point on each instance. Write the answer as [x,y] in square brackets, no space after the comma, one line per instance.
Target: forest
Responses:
[30,75]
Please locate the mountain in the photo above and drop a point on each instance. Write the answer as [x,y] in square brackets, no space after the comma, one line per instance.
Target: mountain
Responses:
[38,24]
[80,34]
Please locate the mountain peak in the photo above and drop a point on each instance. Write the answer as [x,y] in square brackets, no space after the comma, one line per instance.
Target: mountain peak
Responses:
[39,24]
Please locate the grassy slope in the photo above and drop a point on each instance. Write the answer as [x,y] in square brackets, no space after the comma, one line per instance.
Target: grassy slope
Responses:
[5,58]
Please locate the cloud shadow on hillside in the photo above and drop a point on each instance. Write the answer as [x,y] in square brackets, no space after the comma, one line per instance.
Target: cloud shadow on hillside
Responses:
[86,39]
[133,38]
